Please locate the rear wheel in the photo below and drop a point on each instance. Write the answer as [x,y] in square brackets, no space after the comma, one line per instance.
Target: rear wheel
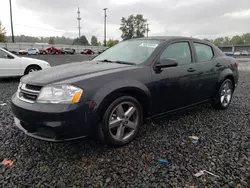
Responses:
[121,122]
[224,95]
[65,53]
[31,69]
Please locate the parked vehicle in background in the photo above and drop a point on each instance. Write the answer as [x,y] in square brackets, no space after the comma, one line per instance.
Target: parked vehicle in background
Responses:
[68,51]
[23,52]
[111,95]
[33,51]
[53,50]
[42,51]
[244,53]
[12,65]
[229,53]
[236,53]
[88,51]
[11,51]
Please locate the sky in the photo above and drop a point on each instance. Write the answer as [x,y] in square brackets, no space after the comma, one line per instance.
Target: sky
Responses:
[196,18]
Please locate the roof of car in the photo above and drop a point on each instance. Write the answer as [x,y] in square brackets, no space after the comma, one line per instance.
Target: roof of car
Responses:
[165,38]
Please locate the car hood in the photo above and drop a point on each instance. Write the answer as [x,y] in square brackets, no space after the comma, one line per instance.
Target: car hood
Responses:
[72,70]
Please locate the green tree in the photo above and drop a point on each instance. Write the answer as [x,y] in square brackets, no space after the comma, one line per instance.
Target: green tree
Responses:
[94,41]
[246,38]
[112,42]
[237,40]
[226,41]
[82,41]
[52,40]
[2,33]
[133,27]
[218,41]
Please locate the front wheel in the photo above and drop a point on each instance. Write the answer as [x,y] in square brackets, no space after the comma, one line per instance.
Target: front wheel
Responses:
[224,95]
[32,69]
[121,121]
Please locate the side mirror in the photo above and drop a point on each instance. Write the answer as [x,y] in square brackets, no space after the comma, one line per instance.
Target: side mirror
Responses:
[10,56]
[164,63]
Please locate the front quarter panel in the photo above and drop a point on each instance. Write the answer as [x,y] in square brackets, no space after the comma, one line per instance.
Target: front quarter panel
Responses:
[29,61]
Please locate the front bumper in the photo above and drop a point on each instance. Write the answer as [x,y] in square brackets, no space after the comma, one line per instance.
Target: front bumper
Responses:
[53,122]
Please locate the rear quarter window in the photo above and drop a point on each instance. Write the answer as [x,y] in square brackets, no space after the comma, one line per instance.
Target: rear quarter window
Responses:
[204,52]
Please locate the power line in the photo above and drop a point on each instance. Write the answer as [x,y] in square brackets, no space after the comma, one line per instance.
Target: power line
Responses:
[12,31]
[105,23]
[79,22]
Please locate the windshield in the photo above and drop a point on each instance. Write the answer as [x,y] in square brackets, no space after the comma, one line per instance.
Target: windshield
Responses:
[132,51]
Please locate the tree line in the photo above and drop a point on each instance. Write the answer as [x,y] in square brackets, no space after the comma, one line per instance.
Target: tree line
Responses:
[134,26]
[237,39]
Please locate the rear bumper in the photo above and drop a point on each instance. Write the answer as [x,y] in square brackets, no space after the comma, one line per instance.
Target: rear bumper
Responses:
[53,122]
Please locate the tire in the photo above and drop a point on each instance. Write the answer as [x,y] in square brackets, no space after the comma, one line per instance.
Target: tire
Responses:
[127,124]
[222,100]
[56,53]
[37,53]
[32,68]
[65,53]
[44,53]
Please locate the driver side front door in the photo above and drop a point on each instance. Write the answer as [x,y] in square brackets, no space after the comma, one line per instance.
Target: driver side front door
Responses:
[9,66]
[174,87]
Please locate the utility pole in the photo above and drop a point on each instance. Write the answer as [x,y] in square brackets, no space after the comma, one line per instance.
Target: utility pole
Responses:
[79,22]
[12,32]
[147,30]
[105,23]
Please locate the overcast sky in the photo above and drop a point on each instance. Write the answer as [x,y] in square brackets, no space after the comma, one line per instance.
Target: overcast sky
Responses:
[197,18]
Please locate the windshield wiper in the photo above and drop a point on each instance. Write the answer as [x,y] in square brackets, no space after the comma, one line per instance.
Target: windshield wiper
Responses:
[106,60]
[119,62]
[124,62]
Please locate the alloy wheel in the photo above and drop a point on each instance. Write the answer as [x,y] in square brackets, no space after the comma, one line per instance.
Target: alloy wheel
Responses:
[226,94]
[123,121]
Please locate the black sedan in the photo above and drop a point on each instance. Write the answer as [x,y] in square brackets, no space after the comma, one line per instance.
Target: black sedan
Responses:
[111,95]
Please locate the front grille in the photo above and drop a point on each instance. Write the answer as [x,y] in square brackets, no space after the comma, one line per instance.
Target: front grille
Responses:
[28,93]
[32,87]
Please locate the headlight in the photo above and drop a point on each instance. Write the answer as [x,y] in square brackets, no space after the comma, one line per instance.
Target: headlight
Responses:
[60,94]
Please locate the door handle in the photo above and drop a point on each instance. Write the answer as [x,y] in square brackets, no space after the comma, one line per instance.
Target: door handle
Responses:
[218,65]
[191,70]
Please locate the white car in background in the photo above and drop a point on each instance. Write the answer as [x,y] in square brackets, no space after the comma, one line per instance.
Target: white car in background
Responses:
[236,53]
[33,51]
[12,65]
[245,53]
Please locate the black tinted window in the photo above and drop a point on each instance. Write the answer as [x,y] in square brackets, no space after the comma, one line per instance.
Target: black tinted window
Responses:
[179,51]
[204,52]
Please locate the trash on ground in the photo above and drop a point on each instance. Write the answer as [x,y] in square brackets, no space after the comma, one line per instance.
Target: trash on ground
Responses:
[6,162]
[194,139]
[238,186]
[163,160]
[3,104]
[202,172]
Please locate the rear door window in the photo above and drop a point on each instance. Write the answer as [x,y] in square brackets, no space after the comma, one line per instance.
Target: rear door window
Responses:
[204,52]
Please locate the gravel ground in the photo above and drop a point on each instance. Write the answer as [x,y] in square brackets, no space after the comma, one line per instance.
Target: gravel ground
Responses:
[224,150]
